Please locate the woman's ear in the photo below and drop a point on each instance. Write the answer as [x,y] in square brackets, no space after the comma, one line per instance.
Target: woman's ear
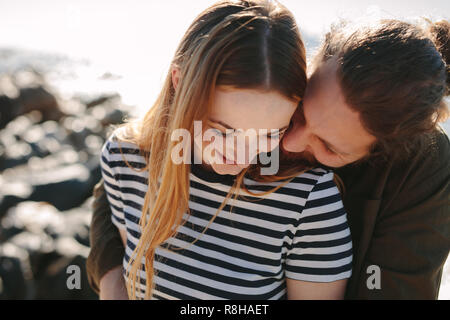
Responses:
[175,77]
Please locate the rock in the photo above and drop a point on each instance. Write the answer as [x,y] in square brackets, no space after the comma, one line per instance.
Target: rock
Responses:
[101,100]
[28,78]
[79,129]
[49,164]
[36,217]
[45,139]
[7,87]
[92,99]
[8,95]
[8,232]
[45,243]
[77,222]
[12,282]
[115,116]
[24,92]
[8,110]
[39,99]
[19,126]
[15,273]
[109,111]
[64,187]
[15,154]
[12,194]
[110,76]
[14,151]
[51,282]
[71,107]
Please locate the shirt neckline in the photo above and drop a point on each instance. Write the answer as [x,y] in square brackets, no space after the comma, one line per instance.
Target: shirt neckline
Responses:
[211,176]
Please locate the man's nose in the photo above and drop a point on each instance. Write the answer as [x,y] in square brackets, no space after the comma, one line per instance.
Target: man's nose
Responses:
[296,139]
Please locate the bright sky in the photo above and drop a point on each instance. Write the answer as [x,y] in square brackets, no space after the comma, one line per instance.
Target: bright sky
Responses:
[136,35]
[137,38]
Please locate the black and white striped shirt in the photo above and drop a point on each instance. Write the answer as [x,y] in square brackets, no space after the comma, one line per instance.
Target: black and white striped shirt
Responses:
[298,232]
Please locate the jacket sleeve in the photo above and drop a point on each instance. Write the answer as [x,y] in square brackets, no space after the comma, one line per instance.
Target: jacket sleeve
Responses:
[411,237]
[106,245]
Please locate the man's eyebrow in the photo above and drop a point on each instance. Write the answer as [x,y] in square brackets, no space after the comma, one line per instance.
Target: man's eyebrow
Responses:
[229,127]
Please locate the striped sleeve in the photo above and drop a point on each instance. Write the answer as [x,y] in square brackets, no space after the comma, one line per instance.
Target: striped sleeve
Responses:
[112,187]
[321,249]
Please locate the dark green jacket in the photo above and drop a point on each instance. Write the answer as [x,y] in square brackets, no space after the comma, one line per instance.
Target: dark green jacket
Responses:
[399,215]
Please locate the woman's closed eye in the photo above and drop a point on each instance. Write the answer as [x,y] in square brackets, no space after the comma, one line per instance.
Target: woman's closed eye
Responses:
[275,134]
[227,133]
[219,132]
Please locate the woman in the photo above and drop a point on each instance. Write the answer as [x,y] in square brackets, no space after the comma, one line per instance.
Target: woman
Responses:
[240,66]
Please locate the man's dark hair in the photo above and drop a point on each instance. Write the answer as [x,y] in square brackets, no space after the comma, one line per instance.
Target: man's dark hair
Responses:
[396,75]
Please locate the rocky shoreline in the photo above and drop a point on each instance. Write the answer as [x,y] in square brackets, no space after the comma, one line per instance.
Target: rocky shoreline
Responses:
[49,165]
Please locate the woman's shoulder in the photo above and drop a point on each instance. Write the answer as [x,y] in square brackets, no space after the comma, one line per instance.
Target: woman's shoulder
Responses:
[311,184]
[322,192]
[315,176]
[319,183]
[118,136]
[116,145]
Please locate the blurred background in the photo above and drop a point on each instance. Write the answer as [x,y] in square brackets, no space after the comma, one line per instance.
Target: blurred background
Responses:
[69,69]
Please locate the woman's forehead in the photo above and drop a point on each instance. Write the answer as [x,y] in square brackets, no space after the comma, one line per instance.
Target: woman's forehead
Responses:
[249,108]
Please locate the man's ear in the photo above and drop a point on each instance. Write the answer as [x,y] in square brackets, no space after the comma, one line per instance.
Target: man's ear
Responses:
[175,77]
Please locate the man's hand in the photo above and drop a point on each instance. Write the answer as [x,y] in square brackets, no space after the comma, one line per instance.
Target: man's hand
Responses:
[107,249]
[112,285]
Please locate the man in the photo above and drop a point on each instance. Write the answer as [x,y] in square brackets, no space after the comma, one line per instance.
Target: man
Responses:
[370,111]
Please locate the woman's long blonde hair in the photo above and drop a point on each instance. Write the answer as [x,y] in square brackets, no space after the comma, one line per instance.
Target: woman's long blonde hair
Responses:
[247,44]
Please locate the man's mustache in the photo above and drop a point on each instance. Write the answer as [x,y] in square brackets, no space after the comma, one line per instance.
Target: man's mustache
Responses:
[305,158]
